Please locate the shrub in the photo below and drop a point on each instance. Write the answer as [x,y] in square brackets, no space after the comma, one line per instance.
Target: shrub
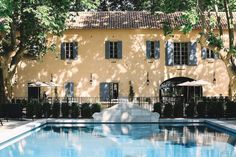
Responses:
[168,110]
[219,109]
[38,107]
[75,110]
[56,110]
[158,108]
[30,110]
[47,109]
[65,110]
[95,108]
[14,110]
[86,111]
[178,110]
[201,109]
[230,109]
[190,109]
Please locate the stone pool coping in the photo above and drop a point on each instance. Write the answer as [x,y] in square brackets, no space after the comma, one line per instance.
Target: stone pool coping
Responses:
[7,135]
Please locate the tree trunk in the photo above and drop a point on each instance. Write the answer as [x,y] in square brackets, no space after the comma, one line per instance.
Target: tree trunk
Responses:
[218,20]
[232,77]
[229,16]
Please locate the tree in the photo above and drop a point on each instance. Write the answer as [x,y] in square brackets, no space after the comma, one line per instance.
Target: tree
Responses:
[199,11]
[24,28]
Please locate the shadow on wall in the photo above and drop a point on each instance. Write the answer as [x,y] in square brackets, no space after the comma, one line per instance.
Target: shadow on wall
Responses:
[133,67]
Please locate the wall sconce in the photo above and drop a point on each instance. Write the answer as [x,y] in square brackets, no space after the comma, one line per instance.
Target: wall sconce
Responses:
[51,80]
[214,78]
[148,81]
[91,78]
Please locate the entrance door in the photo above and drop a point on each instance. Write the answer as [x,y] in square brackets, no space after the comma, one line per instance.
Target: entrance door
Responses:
[34,93]
[109,91]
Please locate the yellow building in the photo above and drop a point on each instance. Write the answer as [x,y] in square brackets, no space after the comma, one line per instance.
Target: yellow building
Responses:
[101,53]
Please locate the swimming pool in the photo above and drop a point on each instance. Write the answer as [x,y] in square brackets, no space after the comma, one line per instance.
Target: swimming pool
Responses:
[122,140]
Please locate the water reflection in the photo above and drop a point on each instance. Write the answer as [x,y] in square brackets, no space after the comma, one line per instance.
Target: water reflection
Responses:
[124,140]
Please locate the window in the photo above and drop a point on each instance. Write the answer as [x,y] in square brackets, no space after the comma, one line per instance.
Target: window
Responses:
[109,91]
[181,52]
[69,89]
[153,49]
[209,54]
[69,50]
[152,52]
[113,50]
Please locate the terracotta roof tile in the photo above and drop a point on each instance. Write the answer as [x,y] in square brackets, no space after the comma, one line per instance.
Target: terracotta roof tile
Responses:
[131,20]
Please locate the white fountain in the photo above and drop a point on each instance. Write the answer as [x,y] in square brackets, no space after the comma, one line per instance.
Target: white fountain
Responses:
[126,112]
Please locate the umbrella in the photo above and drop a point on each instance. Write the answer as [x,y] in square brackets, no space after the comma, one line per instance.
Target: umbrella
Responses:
[188,83]
[201,83]
[52,84]
[38,84]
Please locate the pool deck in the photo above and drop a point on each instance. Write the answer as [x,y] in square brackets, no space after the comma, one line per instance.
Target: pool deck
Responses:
[12,129]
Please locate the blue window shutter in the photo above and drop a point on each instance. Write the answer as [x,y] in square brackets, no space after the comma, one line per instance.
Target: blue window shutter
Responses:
[75,50]
[169,53]
[119,49]
[71,89]
[204,53]
[148,49]
[157,49]
[216,55]
[104,91]
[63,51]
[107,49]
[193,53]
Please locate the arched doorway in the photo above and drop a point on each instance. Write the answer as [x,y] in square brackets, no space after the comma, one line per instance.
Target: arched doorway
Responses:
[171,93]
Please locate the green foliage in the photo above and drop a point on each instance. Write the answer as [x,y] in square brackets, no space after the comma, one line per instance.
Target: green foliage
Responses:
[178,110]
[215,41]
[230,109]
[167,30]
[201,109]
[95,108]
[34,109]
[191,19]
[74,110]
[190,110]
[158,108]
[131,91]
[65,110]
[86,111]
[47,109]
[56,110]
[168,110]
[34,20]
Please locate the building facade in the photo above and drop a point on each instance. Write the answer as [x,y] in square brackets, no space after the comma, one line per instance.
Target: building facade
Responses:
[101,56]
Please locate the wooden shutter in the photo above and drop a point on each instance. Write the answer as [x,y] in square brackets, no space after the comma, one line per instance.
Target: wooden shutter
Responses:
[157,49]
[75,50]
[148,49]
[169,53]
[63,51]
[204,53]
[119,49]
[192,60]
[107,49]
[104,91]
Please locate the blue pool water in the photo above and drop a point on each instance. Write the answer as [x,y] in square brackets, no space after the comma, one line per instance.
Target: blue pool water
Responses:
[123,140]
